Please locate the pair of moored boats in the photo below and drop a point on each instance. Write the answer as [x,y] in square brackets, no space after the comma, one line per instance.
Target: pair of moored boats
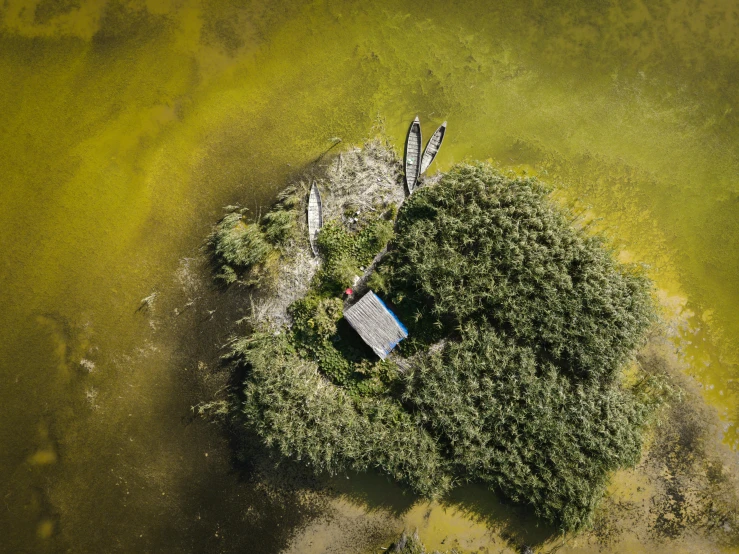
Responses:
[415,165]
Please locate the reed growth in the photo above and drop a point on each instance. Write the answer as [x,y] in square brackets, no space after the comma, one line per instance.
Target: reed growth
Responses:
[521,326]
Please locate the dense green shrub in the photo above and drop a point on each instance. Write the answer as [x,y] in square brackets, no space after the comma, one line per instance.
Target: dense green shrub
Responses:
[238,249]
[297,412]
[314,326]
[345,252]
[280,223]
[346,362]
[371,239]
[339,267]
[378,282]
[526,429]
[532,322]
[483,248]
[246,252]
[316,315]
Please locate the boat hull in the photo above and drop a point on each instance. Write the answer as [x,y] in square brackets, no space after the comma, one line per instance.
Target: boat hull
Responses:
[412,155]
[315,216]
[432,148]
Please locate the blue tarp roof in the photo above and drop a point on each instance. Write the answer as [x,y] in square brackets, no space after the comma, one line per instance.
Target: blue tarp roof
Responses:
[378,326]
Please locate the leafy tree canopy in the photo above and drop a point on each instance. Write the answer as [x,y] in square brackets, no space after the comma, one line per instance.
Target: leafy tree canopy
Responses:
[485,249]
[520,325]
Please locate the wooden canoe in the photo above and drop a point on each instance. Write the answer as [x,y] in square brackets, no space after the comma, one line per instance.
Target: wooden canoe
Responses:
[413,155]
[432,148]
[315,216]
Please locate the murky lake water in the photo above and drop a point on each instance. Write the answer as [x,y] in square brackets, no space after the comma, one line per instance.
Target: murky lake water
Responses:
[127,125]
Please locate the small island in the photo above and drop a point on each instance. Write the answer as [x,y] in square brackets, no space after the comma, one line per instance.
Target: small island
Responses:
[517,370]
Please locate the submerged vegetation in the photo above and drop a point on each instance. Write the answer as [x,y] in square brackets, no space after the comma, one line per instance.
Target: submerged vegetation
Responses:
[521,329]
[408,544]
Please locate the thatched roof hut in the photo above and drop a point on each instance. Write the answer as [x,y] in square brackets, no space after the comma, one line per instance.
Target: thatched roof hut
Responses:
[376,324]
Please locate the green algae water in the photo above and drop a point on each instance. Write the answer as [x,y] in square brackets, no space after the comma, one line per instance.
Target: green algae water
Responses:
[126,126]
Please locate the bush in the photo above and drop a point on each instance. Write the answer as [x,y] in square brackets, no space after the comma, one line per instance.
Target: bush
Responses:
[371,239]
[280,223]
[378,282]
[536,322]
[317,316]
[246,252]
[525,428]
[345,252]
[294,410]
[482,248]
[314,325]
[238,249]
[315,336]
[408,544]
[339,267]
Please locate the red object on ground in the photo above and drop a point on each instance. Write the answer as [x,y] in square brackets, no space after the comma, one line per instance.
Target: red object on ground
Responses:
[348,292]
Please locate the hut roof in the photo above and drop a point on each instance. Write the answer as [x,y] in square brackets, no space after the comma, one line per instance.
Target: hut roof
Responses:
[376,324]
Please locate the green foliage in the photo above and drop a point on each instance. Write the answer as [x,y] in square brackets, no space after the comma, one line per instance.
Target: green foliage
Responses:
[482,248]
[278,226]
[238,249]
[536,322]
[247,252]
[408,544]
[345,252]
[316,337]
[314,326]
[291,406]
[317,316]
[339,267]
[280,223]
[378,282]
[526,429]
[371,239]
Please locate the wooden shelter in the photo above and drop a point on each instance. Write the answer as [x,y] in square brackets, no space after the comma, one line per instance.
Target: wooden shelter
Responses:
[376,324]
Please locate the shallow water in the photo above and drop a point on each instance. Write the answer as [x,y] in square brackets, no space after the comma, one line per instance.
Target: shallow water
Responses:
[127,126]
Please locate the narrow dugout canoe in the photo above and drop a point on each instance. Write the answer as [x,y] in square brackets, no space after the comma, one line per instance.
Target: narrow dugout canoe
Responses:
[315,216]
[413,155]
[432,148]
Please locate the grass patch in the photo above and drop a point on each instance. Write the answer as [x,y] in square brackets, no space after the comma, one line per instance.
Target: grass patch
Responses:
[239,250]
[347,252]
[520,329]
[294,409]
[249,252]
[483,249]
